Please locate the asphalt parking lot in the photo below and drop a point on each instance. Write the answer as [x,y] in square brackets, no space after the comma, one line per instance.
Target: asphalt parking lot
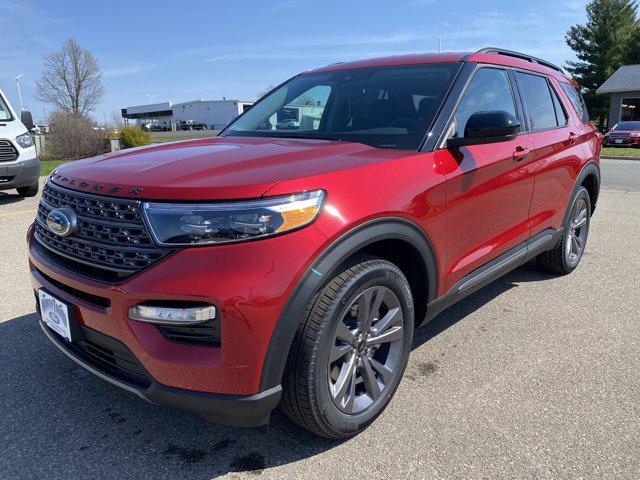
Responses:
[534,376]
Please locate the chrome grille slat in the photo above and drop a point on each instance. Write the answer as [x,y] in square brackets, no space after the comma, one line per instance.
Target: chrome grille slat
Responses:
[111,233]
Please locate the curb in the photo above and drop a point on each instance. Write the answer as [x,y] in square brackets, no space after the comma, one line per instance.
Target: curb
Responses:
[620,158]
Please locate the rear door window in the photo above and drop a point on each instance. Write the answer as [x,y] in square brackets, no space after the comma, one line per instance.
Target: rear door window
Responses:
[561,114]
[539,107]
[489,90]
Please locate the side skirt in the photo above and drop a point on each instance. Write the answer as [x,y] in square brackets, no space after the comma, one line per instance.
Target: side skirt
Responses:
[496,268]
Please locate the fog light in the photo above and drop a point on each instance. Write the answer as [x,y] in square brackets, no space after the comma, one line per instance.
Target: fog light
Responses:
[172,315]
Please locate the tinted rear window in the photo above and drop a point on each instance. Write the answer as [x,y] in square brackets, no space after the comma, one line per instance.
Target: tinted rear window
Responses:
[539,107]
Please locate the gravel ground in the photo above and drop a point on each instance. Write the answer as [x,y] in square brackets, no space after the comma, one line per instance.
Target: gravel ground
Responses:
[532,377]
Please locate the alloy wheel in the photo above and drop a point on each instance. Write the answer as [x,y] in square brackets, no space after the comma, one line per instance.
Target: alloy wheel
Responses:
[578,230]
[366,349]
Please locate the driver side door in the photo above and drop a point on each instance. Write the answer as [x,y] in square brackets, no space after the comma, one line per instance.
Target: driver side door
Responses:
[489,186]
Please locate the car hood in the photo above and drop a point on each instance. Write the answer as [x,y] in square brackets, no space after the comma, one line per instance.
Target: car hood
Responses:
[212,169]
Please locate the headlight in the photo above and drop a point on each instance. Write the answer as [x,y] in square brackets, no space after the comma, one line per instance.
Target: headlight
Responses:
[635,134]
[215,223]
[25,140]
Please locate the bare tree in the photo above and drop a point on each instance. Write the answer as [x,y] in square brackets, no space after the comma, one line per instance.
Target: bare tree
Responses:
[266,90]
[71,79]
[116,119]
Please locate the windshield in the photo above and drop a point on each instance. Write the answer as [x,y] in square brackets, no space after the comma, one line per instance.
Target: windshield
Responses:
[385,107]
[627,126]
[5,113]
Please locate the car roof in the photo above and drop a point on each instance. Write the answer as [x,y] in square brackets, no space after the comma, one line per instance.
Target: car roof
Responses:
[448,57]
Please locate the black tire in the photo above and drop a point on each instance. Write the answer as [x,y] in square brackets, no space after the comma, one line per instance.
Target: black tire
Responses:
[561,260]
[29,191]
[306,391]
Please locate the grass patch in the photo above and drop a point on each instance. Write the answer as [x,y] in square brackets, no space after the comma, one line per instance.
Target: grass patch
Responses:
[48,166]
[620,152]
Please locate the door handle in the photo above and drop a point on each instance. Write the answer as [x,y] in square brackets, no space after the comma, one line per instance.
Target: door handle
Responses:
[520,153]
[573,138]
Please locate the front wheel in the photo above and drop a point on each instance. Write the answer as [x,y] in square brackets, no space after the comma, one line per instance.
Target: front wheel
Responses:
[566,256]
[351,350]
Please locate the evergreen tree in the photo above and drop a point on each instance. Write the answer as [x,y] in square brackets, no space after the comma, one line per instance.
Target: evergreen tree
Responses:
[609,39]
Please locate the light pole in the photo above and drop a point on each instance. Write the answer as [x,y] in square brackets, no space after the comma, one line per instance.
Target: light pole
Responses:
[439,43]
[19,92]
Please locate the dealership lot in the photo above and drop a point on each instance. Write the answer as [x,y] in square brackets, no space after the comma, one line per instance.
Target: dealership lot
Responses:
[533,376]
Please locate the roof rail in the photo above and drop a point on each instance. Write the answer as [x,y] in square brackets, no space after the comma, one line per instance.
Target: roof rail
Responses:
[522,56]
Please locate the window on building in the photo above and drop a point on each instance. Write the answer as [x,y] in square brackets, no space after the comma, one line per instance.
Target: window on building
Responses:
[630,110]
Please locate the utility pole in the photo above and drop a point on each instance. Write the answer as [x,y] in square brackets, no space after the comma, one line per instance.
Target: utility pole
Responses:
[439,43]
[19,92]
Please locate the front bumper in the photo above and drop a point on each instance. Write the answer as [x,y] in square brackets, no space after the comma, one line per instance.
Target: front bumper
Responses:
[235,410]
[20,174]
[248,283]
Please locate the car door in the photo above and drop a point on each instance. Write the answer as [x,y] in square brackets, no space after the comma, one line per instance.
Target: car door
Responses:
[489,186]
[559,148]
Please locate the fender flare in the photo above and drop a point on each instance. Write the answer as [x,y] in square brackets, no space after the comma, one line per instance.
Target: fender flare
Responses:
[321,272]
[590,168]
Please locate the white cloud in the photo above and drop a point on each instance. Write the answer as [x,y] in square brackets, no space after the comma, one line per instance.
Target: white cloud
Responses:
[123,71]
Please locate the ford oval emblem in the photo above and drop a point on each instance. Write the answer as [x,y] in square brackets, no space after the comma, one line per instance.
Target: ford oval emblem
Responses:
[62,221]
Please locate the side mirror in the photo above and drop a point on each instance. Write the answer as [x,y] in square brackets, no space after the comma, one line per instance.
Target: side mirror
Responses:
[487,127]
[27,119]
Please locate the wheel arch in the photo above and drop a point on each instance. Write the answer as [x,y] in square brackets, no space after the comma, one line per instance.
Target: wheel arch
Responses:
[368,238]
[589,178]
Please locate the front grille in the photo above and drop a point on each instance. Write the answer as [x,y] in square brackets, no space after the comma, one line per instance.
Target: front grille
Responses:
[8,152]
[107,355]
[95,300]
[111,357]
[111,235]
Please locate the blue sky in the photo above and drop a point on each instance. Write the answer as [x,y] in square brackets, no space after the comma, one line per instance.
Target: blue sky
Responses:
[189,50]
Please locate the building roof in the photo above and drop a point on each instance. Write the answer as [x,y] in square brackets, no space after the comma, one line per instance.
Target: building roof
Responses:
[626,79]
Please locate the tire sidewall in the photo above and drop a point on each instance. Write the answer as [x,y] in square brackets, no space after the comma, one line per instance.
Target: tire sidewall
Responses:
[581,193]
[380,274]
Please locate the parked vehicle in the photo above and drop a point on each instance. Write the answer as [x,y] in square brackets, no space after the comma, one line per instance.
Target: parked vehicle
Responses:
[154,127]
[261,267]
[191,125]
[289,124]
[623,134]
[40,129]
[19,166]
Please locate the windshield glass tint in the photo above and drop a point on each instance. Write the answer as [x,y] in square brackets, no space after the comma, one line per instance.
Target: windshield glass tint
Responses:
[385,107]
[627,126]
[5,113]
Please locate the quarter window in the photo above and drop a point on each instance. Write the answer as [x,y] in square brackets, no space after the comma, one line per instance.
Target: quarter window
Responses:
[489,90]
[576,100]
[539,107]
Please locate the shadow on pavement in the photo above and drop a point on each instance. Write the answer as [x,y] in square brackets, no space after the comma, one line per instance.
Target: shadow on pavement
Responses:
[8,197]
[60,421]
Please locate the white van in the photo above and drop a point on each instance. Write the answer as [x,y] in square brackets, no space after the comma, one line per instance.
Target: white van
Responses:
[19,166]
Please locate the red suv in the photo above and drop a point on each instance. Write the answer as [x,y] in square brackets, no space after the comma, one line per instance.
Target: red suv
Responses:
[290,264]
[623,134]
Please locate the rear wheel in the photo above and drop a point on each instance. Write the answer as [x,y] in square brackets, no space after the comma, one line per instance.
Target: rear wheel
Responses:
[351,350]
[28,191]
[566,256]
